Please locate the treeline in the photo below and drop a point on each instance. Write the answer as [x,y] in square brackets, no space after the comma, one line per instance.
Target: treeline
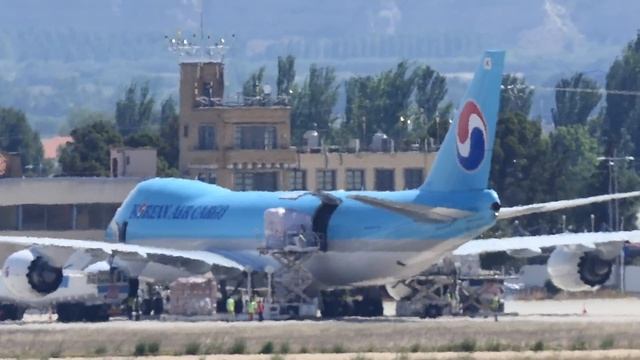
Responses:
[136,122]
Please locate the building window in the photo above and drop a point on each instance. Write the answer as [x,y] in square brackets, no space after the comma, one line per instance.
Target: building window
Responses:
[207,176]
[260,181]
[413,178]
[185,131]
[94,216]
[384,180]
[326,179]
[9,217]
[243,181]
[297,180]
[265,181]
[355,179]
[206,137]
[255,137]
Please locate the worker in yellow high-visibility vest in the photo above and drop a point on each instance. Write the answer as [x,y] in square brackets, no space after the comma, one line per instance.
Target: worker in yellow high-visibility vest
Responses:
[251,308]
[231,308]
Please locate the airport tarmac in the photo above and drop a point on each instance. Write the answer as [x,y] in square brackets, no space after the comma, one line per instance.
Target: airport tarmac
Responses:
[551,324]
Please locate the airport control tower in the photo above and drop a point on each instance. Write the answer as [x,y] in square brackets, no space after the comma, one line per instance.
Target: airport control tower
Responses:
[241,144]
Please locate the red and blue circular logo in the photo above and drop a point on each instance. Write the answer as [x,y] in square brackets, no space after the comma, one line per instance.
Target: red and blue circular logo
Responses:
[471,136]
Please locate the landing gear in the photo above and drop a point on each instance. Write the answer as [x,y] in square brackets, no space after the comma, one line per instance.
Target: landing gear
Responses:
[11,312]
[365,302]
[74,312]
[432,311]
[152,306]
[429,297]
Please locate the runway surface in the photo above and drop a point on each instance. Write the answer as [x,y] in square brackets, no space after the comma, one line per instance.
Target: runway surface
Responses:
[608,323]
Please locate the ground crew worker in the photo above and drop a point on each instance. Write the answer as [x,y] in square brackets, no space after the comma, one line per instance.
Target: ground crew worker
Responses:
[231,308]
[130,302]
[260,310]
[251,308]
[495,306]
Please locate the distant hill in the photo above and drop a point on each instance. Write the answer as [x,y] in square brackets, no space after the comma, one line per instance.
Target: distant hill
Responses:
[54,58]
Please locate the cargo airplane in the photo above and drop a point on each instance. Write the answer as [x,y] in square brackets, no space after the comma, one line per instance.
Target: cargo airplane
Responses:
[364,238]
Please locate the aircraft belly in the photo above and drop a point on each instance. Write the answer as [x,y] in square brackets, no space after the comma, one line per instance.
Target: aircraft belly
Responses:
[363,268]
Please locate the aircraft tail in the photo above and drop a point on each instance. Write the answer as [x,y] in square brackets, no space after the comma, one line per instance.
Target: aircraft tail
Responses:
[464,159]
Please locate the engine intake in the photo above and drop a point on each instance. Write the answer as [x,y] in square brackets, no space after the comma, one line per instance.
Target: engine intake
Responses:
[29,275]
[43,277]
[578,270]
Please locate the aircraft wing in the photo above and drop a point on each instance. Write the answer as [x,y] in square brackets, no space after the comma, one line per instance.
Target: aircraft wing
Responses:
[415,211]
[532,245]
[61,249]
[507,213]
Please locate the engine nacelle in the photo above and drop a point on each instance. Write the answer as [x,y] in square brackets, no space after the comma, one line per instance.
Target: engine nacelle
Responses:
[28,275]
[578,270]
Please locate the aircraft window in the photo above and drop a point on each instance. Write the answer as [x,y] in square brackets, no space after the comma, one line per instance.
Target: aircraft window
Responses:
[326,179]
[297,180]
[413,178]
[355,179]
[385,180]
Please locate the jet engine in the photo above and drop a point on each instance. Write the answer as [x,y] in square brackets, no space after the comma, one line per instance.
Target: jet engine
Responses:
[27,274]
[575,270]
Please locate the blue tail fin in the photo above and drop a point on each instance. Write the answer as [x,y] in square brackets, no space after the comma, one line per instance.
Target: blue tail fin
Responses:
[464,159]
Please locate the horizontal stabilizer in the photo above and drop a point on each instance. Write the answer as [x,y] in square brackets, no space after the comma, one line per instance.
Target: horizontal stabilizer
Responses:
[417,212]
[507,213]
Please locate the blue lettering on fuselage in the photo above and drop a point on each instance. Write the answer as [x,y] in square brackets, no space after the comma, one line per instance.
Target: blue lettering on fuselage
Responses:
[178,212]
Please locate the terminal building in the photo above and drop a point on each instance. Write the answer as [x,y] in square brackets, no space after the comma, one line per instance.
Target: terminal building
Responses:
[69,207]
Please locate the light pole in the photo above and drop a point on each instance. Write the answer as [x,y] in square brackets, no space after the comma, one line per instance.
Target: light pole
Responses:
[613,188]
[613,207]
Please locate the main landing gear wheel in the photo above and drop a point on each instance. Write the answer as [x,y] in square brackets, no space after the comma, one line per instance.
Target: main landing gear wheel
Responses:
[11,312]
[432,311]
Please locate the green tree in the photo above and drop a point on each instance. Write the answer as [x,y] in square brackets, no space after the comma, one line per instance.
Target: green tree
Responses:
[516,96]
[286,74]
[431,88]
[169,146]
[253,86]
[133,112]
[518,168]
[313,103]
[518,164]
[622,114]
[439,126]
[17,136]
[380,103]
[88,154]
[576,97]
[571,170]
[80,117]
[165,141]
